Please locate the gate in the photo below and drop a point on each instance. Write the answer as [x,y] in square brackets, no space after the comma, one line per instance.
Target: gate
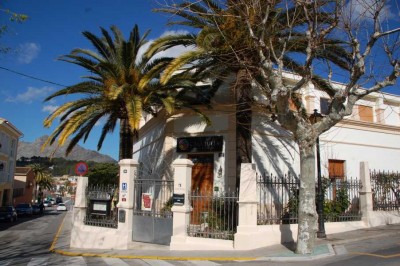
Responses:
[152,216]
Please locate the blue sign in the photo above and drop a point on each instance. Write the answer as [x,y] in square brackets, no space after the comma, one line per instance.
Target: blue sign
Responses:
[124,186]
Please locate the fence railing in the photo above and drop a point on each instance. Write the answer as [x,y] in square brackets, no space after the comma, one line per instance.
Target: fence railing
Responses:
[385,190]
[279,198]
[214,215]
[342,200]
[153,197]
[101,210]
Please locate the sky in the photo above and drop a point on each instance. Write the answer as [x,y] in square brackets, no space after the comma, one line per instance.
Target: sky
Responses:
[53,29]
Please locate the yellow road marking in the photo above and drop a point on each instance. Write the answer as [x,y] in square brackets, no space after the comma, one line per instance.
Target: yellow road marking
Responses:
[51,249]
[376,255]
[74,254]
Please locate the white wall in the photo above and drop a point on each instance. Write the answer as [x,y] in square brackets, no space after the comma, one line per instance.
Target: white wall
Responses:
[274,151]
[380,149]
[150,153]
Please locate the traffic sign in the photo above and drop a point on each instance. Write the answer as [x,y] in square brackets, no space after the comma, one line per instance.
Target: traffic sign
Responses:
[81,168]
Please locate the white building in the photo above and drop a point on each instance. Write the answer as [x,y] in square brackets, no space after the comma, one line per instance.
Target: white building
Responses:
[371,133]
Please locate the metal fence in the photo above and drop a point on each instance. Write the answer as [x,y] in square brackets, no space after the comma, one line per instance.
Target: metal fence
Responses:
[214,215]
[385,190]
[101,202]
[278,199]
[342,200]
[153,197]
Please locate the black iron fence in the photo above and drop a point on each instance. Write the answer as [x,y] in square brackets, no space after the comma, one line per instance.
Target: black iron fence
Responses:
[342,200]
[278,200]
[214,215]
[385,190]
[101,206]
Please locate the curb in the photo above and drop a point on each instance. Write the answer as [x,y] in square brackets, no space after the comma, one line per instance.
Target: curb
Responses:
[289,256]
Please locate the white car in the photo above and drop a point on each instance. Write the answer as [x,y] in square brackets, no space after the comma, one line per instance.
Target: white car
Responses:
[61,207]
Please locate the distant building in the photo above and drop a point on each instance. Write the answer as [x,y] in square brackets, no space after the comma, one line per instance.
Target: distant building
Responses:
[24,185]
[9,136]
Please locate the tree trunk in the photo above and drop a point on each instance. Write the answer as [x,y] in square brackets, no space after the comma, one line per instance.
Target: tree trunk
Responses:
[243,124]
[307,227]
[125,140]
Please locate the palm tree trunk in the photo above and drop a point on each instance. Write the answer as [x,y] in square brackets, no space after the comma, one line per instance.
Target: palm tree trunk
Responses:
[125,140]
[307,227]
[243,124]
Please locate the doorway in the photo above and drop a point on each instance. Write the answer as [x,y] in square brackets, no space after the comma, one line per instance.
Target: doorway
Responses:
[202,185]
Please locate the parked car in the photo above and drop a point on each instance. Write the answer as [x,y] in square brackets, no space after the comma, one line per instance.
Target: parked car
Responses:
[8,213]
[47,203]
[35,209]
[53,201]
[24,209]
[61,207]
[59,200]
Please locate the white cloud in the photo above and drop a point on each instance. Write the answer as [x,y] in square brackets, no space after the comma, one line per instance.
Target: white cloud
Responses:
[30,95]
[363,10]
[172,52]
[49,108]
[27,52]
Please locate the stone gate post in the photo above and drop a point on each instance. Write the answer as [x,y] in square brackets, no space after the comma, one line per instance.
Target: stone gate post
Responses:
[127,173]
[79,210]
[247,236]
[366,205]
[181,208]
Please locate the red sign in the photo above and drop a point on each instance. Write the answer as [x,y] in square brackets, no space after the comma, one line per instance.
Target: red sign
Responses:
[81,168]
[146,201]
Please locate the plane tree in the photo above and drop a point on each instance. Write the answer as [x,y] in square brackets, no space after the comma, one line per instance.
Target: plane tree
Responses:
[363,29]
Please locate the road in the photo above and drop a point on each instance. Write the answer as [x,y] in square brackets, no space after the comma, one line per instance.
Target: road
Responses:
[382,251]
[27,243]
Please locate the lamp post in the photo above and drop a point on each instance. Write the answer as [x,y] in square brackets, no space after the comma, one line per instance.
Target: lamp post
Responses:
[320,194]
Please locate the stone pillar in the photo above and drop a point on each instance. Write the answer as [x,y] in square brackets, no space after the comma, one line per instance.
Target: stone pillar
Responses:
[181,218]
[79,210]
[247,234]
[366,205]
[127,174]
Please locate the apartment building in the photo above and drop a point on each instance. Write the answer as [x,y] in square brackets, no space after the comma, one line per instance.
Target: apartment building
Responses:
[9,136]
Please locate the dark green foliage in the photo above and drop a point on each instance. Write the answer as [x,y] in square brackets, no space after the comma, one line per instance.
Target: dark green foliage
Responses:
[104,174]
[57,166]
[333,209]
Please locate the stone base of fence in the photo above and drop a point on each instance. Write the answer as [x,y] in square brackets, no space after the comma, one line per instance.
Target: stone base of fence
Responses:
[197,243]
[93,237]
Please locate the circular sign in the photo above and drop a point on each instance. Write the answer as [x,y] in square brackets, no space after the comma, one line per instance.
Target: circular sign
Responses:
[81,168]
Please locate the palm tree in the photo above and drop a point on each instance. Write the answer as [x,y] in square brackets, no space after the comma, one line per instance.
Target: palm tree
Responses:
[121,86]
[43,180]
[223,46]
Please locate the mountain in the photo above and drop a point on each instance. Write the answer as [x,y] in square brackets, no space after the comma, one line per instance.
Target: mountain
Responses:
[30,149]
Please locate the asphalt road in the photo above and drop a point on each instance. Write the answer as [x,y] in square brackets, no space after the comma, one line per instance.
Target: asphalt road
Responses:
[382,251]
[28,237]
[27,243]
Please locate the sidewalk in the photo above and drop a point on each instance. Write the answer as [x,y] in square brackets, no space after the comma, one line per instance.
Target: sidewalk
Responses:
[330,246]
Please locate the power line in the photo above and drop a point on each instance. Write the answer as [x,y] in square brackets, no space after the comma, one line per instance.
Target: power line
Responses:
[32,77]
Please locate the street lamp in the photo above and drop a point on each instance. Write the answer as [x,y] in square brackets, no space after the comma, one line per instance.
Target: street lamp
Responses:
[316,117]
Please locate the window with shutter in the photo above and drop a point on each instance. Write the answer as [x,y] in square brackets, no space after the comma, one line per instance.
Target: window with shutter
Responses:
[366,113]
